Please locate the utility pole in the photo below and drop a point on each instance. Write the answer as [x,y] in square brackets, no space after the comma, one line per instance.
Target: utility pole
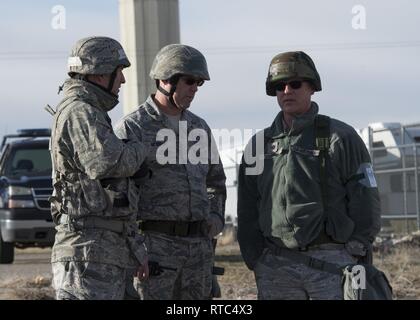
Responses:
[146,26]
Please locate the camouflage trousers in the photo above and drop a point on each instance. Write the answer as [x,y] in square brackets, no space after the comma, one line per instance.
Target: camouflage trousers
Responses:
[193,260]
[279,278]
[78,280]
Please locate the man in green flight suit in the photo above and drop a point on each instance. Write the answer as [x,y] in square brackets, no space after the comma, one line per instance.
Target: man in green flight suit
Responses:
[316,194]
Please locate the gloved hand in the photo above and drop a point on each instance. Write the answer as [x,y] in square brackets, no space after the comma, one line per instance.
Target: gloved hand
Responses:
[137,246]
[142,173]
[356,248]
[213,226]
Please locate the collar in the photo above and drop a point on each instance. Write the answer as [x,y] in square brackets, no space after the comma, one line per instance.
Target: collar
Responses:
[298,124]
[155,113]
[90,93]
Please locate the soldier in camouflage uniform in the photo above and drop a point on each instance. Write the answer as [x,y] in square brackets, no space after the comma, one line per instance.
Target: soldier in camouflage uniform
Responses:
[97,250]
[182,203]
[301,207]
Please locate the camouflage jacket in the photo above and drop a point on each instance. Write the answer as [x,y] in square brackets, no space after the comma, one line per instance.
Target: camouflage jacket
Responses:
[181,191]
[84,151]
[284,202]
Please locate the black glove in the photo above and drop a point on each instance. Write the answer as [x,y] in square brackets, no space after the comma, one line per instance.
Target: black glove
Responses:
[212,226]
[142,173]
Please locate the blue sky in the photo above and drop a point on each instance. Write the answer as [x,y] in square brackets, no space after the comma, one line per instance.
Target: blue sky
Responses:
[368,75]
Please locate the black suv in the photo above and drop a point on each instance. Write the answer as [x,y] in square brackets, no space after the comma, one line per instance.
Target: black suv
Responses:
[25,185]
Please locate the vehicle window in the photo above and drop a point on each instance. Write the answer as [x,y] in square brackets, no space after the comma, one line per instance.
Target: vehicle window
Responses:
[29,162]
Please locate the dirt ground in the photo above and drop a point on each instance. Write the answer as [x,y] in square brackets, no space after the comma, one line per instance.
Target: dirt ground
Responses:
[401,265]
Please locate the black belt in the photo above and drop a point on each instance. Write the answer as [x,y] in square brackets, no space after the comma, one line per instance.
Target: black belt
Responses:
[93,222]
[174,228]
[311,262]
[121,202]
[322,238]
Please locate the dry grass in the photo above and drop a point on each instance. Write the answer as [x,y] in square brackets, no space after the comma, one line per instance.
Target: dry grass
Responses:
[238,283]
[400,264]
[38,288]
[402,267]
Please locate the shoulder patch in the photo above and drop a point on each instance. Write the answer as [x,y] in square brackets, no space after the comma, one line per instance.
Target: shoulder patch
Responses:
[368,178]
[74,62]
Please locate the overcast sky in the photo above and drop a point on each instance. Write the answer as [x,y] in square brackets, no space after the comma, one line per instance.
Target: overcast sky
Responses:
[368,75]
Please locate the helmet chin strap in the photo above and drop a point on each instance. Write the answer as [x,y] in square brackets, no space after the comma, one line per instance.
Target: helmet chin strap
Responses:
[173,81]
[112,81]
[169,94]
[110,84]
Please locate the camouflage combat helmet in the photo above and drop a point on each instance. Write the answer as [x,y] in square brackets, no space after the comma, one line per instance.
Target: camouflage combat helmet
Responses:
[96,55]
[177,59]
[288,65]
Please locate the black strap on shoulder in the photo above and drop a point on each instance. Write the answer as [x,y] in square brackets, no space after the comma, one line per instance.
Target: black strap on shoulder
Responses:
[322,143]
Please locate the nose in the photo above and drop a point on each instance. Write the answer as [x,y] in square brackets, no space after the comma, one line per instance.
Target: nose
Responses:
[287,88]
[194,87]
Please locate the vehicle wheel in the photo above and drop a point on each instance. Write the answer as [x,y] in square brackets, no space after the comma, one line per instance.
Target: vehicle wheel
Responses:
[7,251]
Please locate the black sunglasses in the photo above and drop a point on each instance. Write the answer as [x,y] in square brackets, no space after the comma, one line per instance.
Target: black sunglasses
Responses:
[295,84]
[190,81]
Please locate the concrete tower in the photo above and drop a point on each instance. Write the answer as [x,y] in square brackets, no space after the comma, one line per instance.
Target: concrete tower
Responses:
[146,26]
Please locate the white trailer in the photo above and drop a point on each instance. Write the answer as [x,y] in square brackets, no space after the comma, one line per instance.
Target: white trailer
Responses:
[394,149]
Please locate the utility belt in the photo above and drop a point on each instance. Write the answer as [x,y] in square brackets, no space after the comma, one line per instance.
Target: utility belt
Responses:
[358,281]
[121,202]
[298,257]
[174,228]
[323,241]
[117,226]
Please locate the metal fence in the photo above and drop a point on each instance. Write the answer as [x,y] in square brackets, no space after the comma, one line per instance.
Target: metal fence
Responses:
[395,154]
[395,158]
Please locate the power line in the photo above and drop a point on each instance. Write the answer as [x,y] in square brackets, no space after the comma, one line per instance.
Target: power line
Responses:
[320,46]
[55,55]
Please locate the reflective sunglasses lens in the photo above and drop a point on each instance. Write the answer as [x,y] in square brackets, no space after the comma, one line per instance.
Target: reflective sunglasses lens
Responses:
[292,84]
[191,81]
[295,84]
[280,86]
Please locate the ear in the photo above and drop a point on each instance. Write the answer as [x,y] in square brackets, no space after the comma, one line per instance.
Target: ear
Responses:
[100,79]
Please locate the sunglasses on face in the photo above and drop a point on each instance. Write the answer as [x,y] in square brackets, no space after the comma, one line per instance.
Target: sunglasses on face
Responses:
[295,84]
[191,81]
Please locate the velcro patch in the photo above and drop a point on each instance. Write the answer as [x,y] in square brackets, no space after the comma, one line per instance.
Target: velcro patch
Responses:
[74,62]
[368,179]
